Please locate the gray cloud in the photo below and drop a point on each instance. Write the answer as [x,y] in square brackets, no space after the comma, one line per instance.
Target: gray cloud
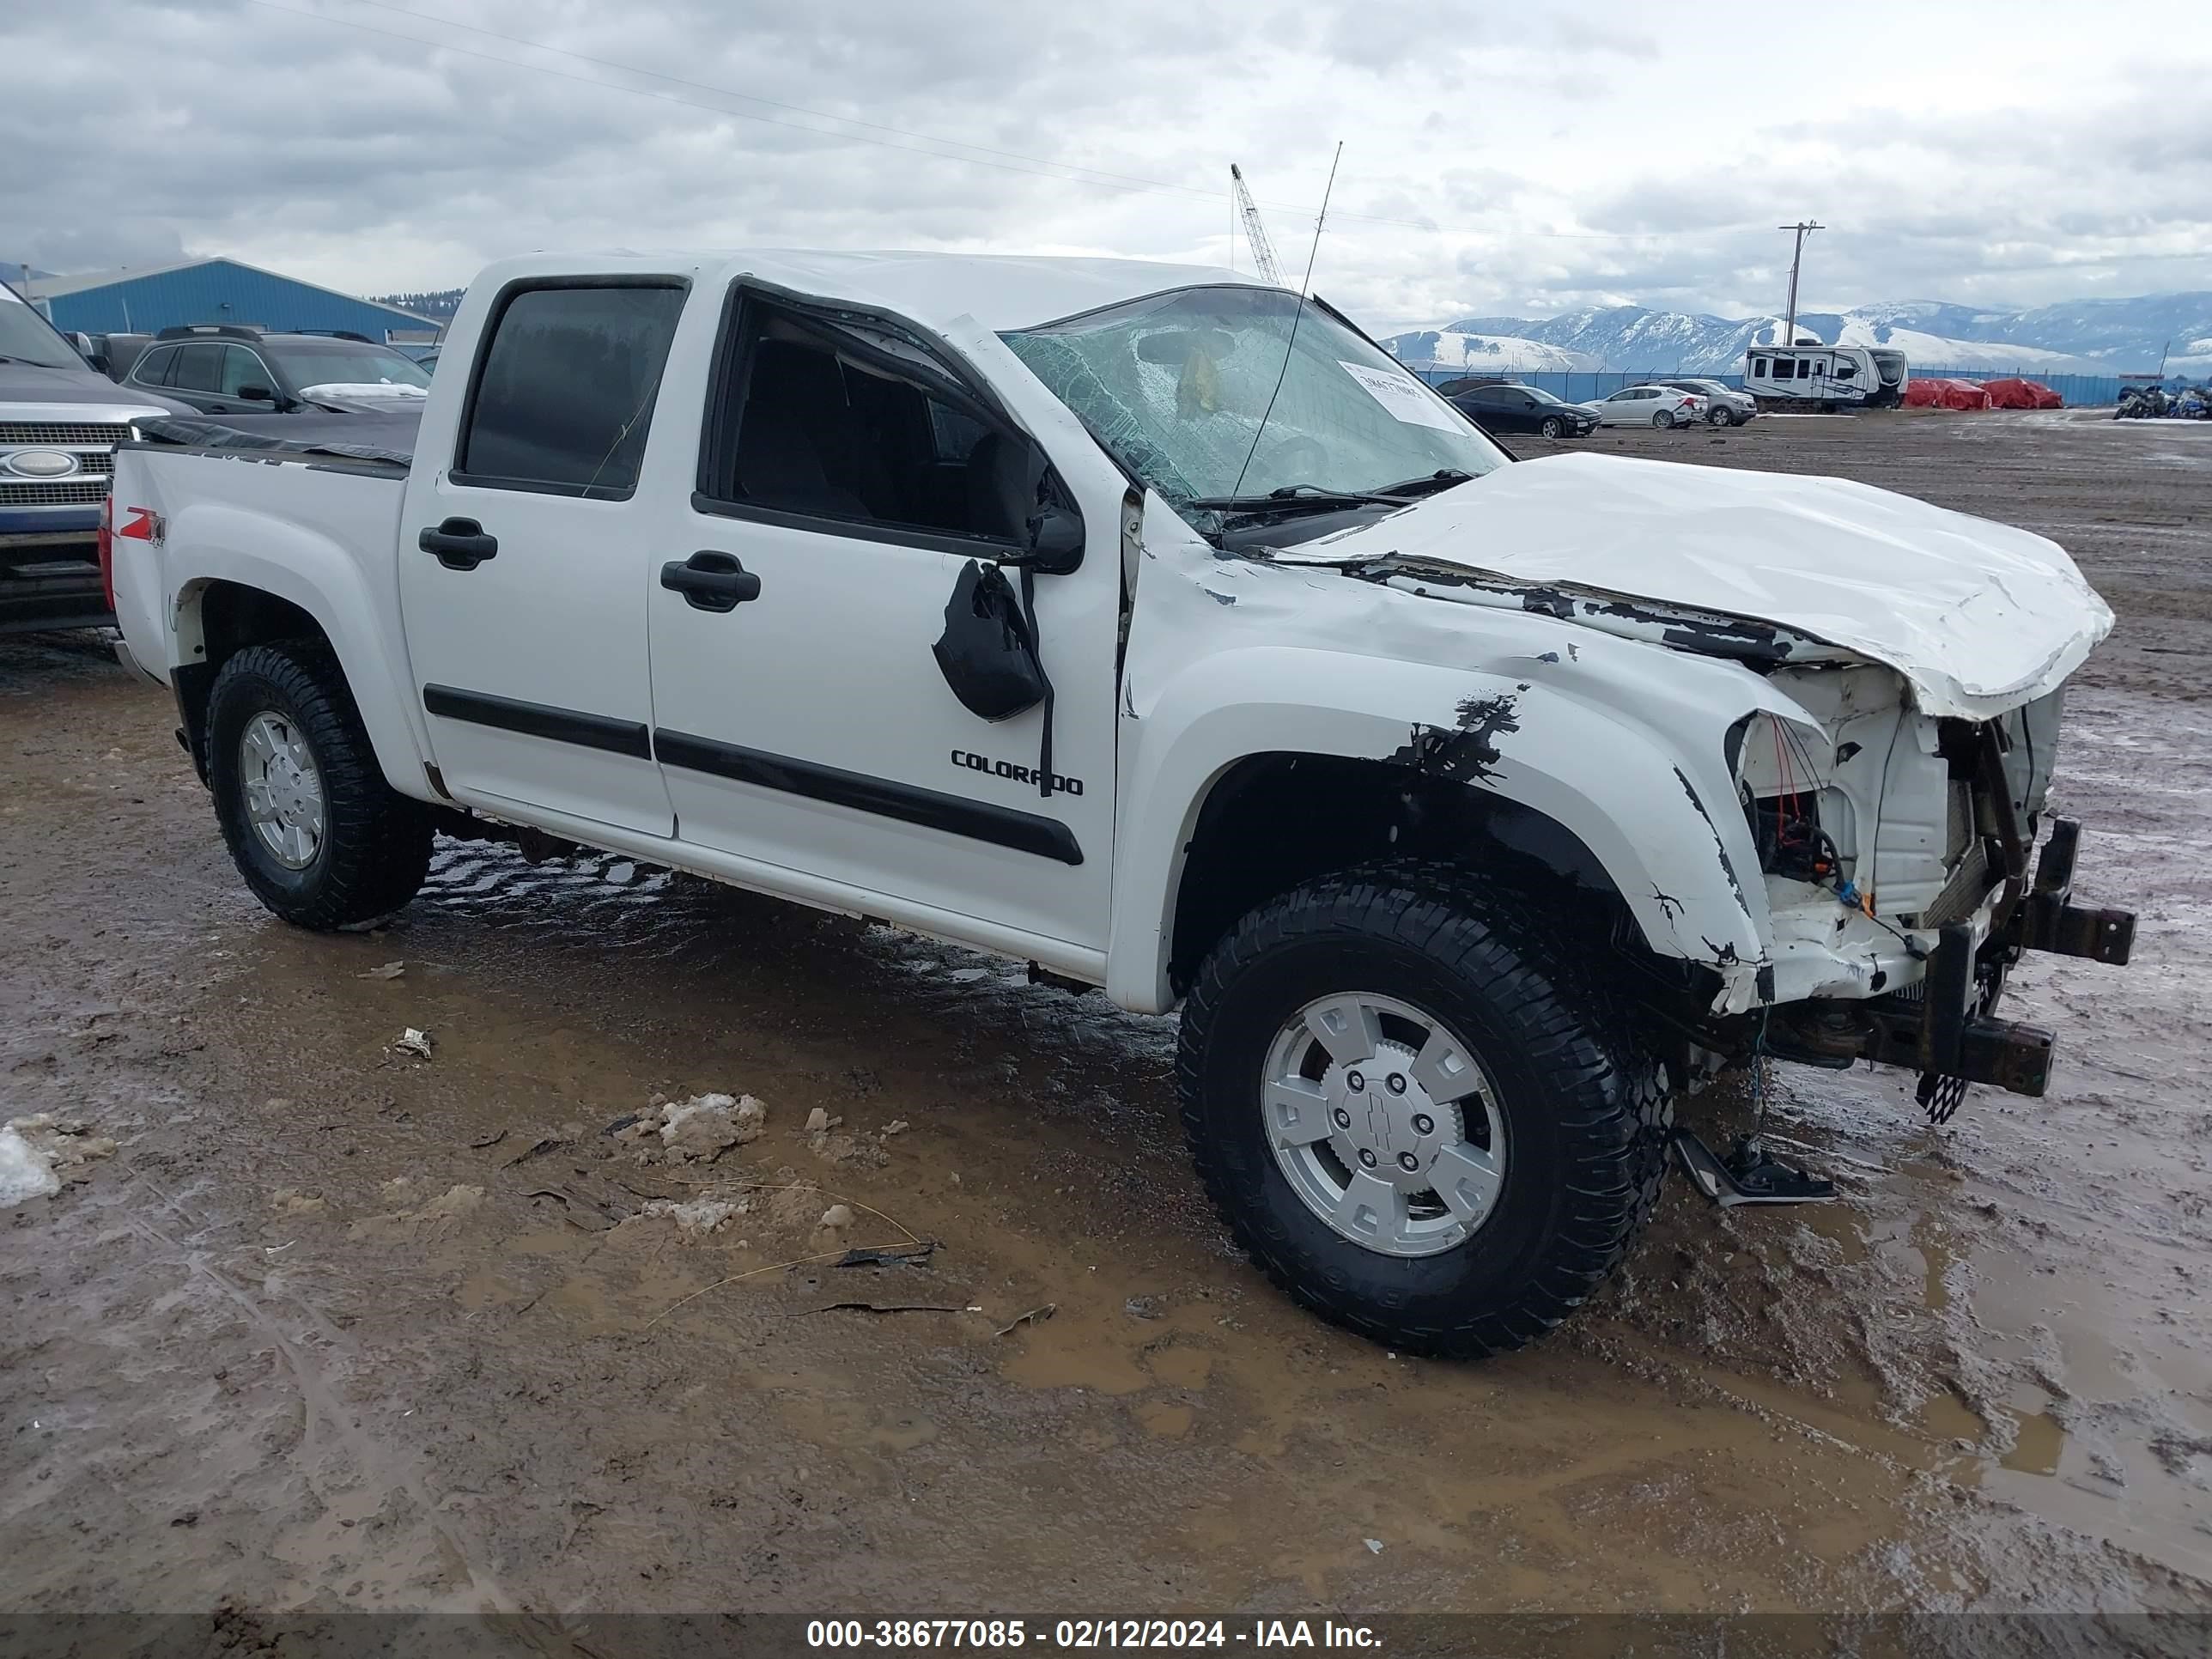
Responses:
[1496,160]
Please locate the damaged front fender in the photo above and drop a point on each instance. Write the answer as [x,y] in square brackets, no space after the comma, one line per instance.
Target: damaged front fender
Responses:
[1622,747]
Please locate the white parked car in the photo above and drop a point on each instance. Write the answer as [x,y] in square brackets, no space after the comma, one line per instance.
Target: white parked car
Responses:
[1469,811]
[1651,405]
[1724,404]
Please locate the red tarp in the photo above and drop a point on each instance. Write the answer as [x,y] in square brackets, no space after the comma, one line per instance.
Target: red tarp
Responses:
[2022,394]
[1945,394]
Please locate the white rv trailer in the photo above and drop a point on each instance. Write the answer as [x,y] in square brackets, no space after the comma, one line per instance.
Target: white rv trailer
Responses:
[1824,378]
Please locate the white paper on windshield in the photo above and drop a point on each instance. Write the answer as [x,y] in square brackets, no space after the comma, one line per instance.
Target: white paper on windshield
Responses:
[1405,401]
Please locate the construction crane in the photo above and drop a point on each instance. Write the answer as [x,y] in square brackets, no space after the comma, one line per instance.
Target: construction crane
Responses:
[1263,252]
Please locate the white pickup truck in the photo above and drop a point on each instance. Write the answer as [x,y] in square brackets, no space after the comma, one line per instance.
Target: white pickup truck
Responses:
[1469,810]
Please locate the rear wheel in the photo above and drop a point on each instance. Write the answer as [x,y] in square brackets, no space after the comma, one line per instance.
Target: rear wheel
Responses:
[1416,1120]
[1664,419]
[320,837]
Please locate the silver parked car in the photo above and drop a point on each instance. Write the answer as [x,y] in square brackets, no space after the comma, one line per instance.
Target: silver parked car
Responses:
[1724,404]
[1651,405]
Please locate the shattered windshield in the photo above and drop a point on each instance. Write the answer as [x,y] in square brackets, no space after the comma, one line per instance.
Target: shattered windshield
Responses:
[1175,387]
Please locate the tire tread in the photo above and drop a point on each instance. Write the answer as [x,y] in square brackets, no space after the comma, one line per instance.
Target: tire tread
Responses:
[377,848]
[1616,1109]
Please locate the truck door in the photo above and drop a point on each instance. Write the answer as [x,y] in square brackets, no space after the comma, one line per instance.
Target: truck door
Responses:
[851,472]
[524,551]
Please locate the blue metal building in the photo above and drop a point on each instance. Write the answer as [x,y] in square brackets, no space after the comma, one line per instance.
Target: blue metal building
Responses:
[146,300]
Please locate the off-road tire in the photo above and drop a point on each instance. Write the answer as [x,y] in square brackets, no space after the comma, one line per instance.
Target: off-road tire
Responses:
[376,849]
[1586,1108]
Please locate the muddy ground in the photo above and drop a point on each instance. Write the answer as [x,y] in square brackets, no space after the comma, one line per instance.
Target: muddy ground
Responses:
[341,1328]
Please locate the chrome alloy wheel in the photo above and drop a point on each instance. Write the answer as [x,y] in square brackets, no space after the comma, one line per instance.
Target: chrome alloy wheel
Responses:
[284,799]
[1384,1123]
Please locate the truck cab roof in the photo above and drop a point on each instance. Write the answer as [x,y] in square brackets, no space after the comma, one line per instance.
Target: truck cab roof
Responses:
[1000,291]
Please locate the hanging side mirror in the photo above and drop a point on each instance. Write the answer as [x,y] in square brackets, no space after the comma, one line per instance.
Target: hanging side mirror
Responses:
[1055,542]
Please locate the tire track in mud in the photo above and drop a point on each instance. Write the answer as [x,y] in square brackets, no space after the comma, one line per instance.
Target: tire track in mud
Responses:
[383,1468]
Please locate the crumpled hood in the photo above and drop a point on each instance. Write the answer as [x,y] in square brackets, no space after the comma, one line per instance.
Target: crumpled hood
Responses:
[1977,616]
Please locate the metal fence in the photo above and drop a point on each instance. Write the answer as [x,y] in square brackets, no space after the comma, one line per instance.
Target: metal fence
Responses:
[1580,387]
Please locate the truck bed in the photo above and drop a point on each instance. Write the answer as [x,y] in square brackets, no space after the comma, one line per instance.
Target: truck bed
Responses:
[322,525]
[386,439]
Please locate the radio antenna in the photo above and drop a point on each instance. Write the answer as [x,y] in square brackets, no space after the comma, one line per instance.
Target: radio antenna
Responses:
[1290,344]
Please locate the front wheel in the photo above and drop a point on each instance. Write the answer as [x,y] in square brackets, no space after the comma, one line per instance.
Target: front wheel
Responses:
[320,837]
[1414,1124]
[1722,415]
[1551,427]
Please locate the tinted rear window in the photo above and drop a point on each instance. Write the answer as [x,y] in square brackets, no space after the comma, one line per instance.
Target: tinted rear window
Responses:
[154,367]
[564,397]
[199,368]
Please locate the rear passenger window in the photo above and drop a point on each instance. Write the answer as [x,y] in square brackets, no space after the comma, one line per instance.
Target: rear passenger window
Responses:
[858,423]
[565,388]
[199,368]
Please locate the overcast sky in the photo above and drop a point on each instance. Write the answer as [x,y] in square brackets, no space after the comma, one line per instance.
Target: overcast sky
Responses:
[1525,159]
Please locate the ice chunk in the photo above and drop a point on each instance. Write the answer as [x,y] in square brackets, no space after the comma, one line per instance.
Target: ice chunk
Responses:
[24,1174]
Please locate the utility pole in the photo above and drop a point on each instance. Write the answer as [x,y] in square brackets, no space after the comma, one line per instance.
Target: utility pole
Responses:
[1803,228]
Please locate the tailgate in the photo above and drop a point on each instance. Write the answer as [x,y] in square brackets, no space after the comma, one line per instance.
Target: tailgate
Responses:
[135,501]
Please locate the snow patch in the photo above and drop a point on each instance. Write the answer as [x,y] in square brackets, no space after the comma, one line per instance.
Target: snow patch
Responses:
[704,1126]
[697,1216]
[23,1174]
[38,1153]
[395,388]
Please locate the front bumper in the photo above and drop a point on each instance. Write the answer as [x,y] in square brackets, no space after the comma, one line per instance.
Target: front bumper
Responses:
[25,526]
[1945,1026]
[49,581]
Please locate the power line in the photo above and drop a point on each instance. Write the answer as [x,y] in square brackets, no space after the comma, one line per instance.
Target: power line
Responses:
[978,155]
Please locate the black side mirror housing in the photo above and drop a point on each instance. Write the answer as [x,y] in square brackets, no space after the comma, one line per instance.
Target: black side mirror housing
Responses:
[1055,546]
[260,394]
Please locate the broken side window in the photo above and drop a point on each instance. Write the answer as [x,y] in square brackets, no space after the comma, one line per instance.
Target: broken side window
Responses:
[834,419]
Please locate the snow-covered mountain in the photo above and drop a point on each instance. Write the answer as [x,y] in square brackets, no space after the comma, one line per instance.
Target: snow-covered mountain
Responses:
[1456,349]
[2083,336]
